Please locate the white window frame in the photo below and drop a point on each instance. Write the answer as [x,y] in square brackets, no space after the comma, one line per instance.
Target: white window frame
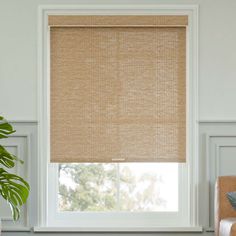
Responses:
[189,175]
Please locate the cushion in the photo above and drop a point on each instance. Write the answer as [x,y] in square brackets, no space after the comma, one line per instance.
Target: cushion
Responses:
[232,198]
[228,227]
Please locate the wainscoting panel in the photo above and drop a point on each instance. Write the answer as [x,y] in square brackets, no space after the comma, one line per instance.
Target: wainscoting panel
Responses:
[21,143]
[227,160]
[218,155]
[217,149]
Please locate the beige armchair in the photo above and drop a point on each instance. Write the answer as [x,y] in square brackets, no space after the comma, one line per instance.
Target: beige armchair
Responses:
[225,215]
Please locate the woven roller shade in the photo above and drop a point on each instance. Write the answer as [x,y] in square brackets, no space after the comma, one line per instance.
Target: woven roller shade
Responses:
[118,94]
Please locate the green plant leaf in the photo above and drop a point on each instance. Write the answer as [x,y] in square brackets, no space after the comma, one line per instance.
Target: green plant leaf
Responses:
[15,211]
[7,159]
[15,190]
[5,128]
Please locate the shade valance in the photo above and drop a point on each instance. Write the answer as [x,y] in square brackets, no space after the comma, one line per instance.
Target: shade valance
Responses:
[117,21]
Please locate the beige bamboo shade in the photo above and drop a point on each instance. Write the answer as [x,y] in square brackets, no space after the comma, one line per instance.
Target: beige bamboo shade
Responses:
[116,21]
[118,88]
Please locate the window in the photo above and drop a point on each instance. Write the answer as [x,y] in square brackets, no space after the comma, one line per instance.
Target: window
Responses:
[100,195]
[118,187]
[122,175]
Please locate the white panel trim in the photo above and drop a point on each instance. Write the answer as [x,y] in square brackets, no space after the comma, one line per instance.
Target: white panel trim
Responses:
[23,121]
[16,229]
[121,9]
[199,121]
[5,218]
[27,137]
[218,156]
[217,121]
[216,168]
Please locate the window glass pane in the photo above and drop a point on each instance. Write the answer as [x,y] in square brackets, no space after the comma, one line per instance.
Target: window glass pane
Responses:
[87,187]
[118,187]
[148,187]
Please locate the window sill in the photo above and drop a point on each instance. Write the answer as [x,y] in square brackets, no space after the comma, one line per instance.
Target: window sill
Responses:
[119,229]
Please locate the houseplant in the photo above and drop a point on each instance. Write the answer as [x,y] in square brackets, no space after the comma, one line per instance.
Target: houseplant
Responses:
[13,188]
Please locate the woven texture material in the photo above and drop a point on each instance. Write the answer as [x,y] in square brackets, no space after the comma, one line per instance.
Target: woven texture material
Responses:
[118,94]
[113,21]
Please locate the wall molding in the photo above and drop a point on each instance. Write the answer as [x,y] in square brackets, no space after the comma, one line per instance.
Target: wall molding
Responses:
[25,138]
[201,121]
[213,143]
[23,121]
[217,121]
[22,142]
[26,121]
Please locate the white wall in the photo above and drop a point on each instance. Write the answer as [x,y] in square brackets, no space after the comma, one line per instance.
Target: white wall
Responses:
[18,55]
